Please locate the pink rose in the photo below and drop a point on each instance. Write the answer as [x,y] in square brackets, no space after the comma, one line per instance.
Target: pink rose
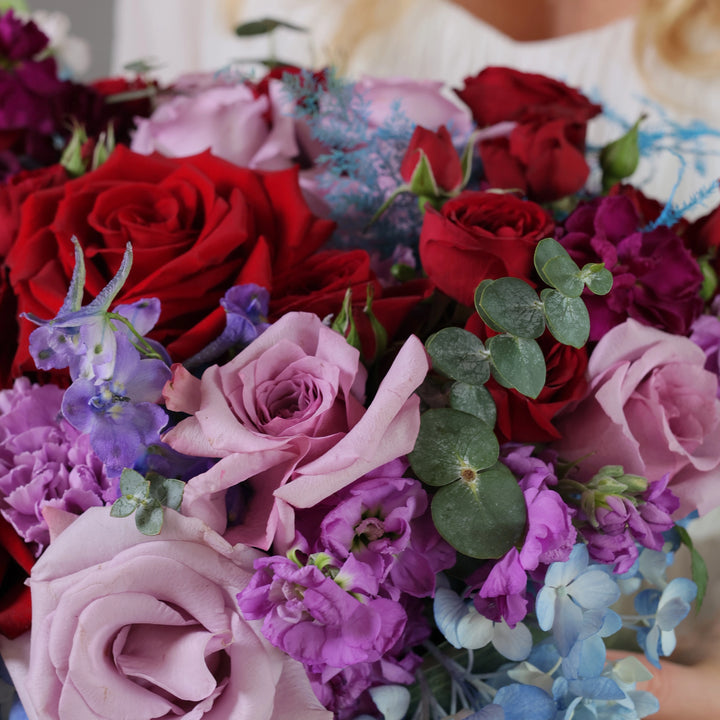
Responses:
[229,119]
[652,408]
[423,103]
[133,626]
[287,417]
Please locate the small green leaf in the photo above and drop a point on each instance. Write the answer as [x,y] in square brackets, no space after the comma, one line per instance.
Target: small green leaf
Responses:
[149,518]
[123,507]
[517,363]
[514,306]
[567,318]
[132,483]
[460,355]
[697,565]
[344,323]
[265,26]
[556,268]
[167,491]
[379,331]
[598,278]
[479,309]
[482,517]
[475,401]
[452,444]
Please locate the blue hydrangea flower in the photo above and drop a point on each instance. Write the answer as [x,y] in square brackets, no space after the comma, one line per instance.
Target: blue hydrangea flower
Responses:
[664,612]
[571,588]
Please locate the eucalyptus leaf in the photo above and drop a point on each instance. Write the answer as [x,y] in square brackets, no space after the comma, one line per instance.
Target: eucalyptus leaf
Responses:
[123,507]
[149,518]
[167,491]
[556,268]
[452,444]
[483,517]
[475,401]
[598,278]
[265,26]
[132,483]
[567,318]
[460,355]
[480,311]
[517,363]
[514,306]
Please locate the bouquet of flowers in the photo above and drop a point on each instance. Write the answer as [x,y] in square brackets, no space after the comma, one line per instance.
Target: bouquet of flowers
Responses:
[343,399]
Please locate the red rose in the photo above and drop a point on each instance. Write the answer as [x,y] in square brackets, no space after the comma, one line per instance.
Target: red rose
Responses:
[481,235]
[544,153]
[441,155]
[16,562]
[523,419]
[498,93]
[198,226]
[703,235]
[319,283]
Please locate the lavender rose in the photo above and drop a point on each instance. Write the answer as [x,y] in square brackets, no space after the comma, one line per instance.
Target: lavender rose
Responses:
[44,461]
[286,416]
[134,626]
[652,408]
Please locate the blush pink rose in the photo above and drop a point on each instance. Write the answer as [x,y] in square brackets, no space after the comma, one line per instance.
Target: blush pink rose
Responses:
[287,418]
[228,119]
[651,406]
[129,626]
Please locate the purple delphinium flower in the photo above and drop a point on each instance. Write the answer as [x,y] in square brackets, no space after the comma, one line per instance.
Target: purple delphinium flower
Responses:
[383,520]
[246,308]
[656,280]
[44,461]
[120,414]
[308,615]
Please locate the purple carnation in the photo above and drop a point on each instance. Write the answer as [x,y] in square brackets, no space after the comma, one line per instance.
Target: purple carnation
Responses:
[656,280]
[44,461]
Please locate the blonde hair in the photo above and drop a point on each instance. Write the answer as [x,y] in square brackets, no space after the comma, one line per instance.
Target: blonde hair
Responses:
[683,34]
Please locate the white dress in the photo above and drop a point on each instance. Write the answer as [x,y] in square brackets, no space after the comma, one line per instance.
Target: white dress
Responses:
[439,40]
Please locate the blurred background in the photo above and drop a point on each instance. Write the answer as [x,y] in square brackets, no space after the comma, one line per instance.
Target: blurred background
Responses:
[91,20]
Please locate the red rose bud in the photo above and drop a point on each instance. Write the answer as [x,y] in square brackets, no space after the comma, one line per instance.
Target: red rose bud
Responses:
[431,165]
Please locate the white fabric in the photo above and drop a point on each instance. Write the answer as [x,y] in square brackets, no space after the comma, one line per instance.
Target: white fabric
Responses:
[432,39]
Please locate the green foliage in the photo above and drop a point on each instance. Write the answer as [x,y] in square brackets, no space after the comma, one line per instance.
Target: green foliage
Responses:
[517,363]
[511,305]
[619,159]
[265,26]
[567,317]
[452,444]
[697,565]
[460,355]
[482,515]
[146,497]
[344,323]
[475,401]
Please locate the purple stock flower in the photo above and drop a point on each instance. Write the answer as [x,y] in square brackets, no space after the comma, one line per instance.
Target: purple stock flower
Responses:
[706,334]
[309,616]
[383,520]
[44,461]
[502,593]
[656,280]
[120,414]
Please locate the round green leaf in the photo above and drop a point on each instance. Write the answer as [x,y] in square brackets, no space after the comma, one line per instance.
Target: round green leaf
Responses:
[452,443]
[482,517]
[556,268]
[478,307]
[460,355]
[567,318]
[598,278]
[513,305]
[517,363]
[123,507]
[149,518]
[475,401]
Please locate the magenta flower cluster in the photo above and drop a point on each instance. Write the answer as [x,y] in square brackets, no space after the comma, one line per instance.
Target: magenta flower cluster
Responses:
[44,461]
[338,602]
